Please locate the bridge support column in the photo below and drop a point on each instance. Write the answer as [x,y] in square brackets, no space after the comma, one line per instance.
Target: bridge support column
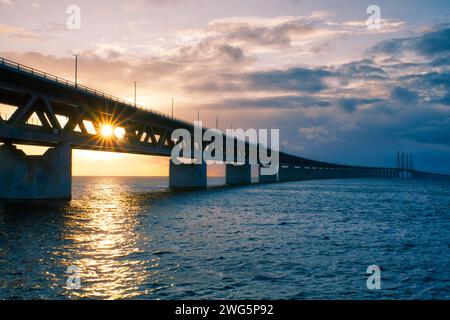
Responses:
[284,174]
[267,178]
[299,173]
[46,177]
[313,173]
[238,174]
[295,173]
[187,175]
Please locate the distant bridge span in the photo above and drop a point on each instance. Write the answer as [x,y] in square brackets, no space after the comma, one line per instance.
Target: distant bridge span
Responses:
[63,111]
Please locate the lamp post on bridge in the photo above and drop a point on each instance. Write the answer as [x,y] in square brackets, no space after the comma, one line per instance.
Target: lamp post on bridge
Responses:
[403,164]
[135,96]
[76,70]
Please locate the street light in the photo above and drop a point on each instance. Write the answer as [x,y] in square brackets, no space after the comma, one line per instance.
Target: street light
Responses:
[76,70]
[135,89]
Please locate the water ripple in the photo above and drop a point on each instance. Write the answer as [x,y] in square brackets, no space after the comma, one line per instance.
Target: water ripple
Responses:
[133,239]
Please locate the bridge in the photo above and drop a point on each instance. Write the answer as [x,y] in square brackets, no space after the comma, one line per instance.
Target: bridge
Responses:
[60,114]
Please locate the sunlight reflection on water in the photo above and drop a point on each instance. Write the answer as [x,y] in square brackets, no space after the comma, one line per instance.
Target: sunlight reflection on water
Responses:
[104,242]
[132,238]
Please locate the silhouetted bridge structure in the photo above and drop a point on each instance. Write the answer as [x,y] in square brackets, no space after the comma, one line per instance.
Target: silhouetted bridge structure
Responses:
[69,115]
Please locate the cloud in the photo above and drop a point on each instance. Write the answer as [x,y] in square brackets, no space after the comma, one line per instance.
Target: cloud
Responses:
[275,102]
[295,79]
[18,33]
[431,43]
[277,33]
[351,104]
[316,134]
[445,100]
[432,86]
[234,53]
[403,95]
[434,131]
[363,69]
[387,26]
[396,96]
[6,29]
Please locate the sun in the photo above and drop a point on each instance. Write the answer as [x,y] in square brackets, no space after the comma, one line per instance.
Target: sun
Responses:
[119,132]
[107,130]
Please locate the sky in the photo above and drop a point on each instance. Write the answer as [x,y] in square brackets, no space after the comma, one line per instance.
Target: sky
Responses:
[337,90]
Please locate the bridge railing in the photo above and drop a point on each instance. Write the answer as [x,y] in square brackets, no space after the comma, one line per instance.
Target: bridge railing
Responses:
[41,74]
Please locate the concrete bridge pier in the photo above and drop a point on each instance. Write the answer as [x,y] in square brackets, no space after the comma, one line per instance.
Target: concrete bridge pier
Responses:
[296,173]
[330,173]
[326,173]
[285,173]
[306,173]
[299,173]
[347,173]
[44,177]
[263,178]
[359,173]
[236,174]
[317,173]
[337,173]
[187,175]
[352,173]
